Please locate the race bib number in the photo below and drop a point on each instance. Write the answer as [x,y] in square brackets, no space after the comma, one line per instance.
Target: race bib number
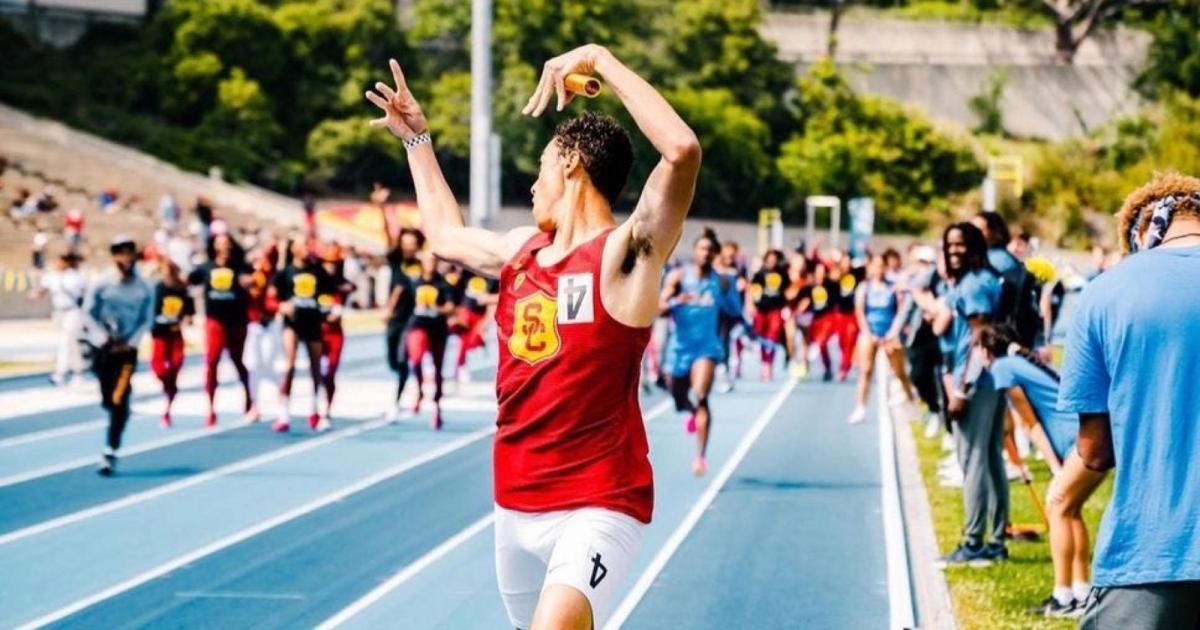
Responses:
[172,306]
[304,285]
[221,279]
[535,329]
[575,299]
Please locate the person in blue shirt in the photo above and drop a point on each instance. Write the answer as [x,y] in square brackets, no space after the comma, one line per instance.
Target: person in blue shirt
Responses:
[876,306]
[694,297]
[119,309]
[1132,374]
[970,301]
[1032,390]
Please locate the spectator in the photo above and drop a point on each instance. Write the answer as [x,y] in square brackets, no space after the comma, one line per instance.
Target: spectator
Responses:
[970,302]
[168,212]
[65,284]
[108,200]
[1130,373]
[204,216]
[921,345]
[73,228]
[38,249]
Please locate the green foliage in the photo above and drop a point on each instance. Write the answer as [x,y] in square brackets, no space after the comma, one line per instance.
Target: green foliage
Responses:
[348,153]
[1173,61]
[851,145]
[986,104]
[1079,184]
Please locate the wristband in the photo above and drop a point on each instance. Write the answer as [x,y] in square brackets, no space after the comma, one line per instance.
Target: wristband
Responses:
[417,140]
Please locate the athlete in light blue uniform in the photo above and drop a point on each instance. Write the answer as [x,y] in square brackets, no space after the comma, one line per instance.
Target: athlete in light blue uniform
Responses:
[876,306]
[695,296]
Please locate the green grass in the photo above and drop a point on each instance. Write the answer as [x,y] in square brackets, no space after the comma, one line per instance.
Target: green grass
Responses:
[999,596]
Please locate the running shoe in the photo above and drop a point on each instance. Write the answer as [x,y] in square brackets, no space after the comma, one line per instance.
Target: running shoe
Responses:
[252,414]
[437,418]
[1051,607]
[689,425]
[108,465]
[966,555]
[767,373]
[859,415]
[724,386]
[700,466]
[843,375]
[323,425]
[313,420]
[799,370]
[281,426]
[828,377]
[996,551]
[166,420]
[211,421]
[932,425]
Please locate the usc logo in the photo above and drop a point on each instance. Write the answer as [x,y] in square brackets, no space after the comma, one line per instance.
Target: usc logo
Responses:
[848,284]
[535,329]
[427,296]
[172,306]
[476,287]
[820,297]
[774,281]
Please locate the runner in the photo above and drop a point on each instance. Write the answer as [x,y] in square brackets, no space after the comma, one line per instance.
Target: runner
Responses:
[577,297]
[1032,391]
[173,309]
[263,329]
[118,309]
[399,309]
[847,278]
[224,277]
[429,330]
[817,300]
[331,301]
[733,327]
[694,297]
[876,308]
[478,296]
[766,302]
[799,316]
[298,285]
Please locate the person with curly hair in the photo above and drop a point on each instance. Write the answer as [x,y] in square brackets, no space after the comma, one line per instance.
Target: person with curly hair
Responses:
[1130,372]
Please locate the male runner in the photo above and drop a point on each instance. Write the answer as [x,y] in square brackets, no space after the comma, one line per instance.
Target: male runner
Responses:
[578,292]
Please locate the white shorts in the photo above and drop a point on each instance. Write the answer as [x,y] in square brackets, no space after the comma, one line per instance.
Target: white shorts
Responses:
[589,549]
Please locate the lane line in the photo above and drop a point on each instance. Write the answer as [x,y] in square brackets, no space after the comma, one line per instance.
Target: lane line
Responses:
[254,530]
[49,434]
[238,595]
[407,573]
[194,480]
[435,554]
[646,579]
[900,594]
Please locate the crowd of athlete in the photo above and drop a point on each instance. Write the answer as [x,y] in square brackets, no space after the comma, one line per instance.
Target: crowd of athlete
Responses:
[260,308]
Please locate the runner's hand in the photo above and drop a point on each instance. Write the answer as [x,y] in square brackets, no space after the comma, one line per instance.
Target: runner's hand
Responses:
[402,114]
[554,73]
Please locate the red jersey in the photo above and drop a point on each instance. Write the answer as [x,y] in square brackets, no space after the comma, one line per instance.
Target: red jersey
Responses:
[569,431]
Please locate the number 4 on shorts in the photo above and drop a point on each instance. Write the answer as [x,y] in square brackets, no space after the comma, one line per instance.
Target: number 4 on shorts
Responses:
[598,571]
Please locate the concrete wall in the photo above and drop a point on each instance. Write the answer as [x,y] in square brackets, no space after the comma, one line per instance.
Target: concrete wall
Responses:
[938,67]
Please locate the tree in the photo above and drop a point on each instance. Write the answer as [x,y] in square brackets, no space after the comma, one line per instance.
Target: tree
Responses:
[1076,20]
[851,145]
[986,105]
[1173,61]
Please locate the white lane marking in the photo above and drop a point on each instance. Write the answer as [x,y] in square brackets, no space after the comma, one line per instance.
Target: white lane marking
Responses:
[49,434]
[407,573]
[646,579]
[188,482]
[238,595]
[900,599]
[434,555]
[253,530]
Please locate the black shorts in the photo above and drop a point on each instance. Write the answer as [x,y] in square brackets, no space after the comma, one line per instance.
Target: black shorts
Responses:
[307,326]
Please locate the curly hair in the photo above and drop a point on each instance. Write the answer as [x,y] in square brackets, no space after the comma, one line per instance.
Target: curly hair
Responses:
[1001,340]
[604,148]
[1161,185]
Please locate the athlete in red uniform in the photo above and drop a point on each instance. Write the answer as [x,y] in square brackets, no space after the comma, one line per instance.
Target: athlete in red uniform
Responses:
[578,293]
[333,336]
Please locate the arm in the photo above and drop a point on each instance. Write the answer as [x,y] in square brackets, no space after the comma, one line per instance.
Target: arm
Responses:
[860,307]
[481,250]
[1045,308]
[637,249]
[1019,403]
[1095,442]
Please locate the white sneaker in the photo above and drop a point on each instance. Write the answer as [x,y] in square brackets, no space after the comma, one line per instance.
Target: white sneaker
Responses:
[932,424]
[323,425]
[948,443]
[858,415]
